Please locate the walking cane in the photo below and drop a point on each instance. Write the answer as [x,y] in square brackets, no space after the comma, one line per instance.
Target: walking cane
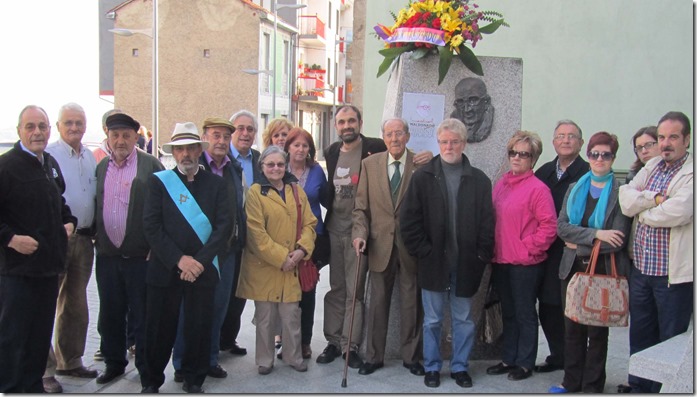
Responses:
[353,312]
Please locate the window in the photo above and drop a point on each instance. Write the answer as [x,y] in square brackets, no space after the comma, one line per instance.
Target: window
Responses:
[329,15]
[286,66]
[337,22]
[266,60]
[134,52]
[328,78]
[206,53]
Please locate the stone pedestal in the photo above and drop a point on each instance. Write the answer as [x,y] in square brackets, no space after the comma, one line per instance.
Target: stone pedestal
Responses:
[503,78]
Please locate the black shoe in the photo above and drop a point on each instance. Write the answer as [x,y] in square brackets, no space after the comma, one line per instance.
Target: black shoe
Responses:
[237,350]
[217,372]
[149,390]
[109,375]
[432,379]
[178,376]
[462,379]
[192,388]
[328,355]
[415,368]
[547,367]
[354,361]
[369,368]
[624,388]
[499,369]
[519,373]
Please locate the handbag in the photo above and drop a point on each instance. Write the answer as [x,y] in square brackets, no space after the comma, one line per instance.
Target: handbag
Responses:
[492,327]
[597,299]
[308,275]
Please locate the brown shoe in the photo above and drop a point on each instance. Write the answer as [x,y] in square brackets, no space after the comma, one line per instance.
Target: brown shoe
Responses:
[51,385]
[307,351]
[79,372]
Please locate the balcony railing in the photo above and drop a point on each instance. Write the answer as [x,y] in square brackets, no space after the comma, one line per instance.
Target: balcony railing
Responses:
[311,24]
[307,84]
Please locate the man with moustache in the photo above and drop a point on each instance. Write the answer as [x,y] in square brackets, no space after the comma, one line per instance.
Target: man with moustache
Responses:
[72,314]
[245,130]
[216,159]
[447,222]
[382,186]
[661,281]
[103,150]
[122,250]
[558,174]
[187,222]
[35,224]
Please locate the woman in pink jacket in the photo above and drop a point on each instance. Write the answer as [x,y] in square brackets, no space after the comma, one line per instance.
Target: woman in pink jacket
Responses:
[526,225]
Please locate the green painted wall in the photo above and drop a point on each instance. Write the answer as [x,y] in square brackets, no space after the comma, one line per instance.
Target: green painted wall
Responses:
[610,65]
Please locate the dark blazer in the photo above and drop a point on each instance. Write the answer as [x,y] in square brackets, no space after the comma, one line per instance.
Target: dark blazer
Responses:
[550,290]
[232,174]
[331,156]
[170,235]
[31,204]
[583,236]
[134,242]
[424,226]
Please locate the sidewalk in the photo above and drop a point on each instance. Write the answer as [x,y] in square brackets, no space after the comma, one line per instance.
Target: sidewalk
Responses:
[327,378]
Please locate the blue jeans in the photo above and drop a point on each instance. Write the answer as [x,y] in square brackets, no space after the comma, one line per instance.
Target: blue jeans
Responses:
[220,304]
[657,312]
[462,328]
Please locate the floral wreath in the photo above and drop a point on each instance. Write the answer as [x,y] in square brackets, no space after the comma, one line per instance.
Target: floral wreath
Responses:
[437,26]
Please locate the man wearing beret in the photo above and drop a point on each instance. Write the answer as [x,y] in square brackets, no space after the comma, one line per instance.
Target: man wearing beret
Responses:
[216,159]
[187,222]
[35,224]
[122,249]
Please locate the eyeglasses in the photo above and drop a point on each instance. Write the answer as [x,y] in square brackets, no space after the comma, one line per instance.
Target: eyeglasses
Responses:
[647,146]
[395,134]
[277,165]
[522,155]
[469,101]
[41,127]
[453,142]
[604,156]
[241,128]
[562,137]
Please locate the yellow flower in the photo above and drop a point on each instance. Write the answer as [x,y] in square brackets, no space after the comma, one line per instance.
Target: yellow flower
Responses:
[456,40]
[448,23]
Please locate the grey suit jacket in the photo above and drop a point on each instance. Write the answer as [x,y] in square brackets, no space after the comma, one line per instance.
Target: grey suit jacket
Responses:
[375,218]
[583,237]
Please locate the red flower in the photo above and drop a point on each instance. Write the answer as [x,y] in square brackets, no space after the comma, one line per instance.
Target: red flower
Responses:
[436,23]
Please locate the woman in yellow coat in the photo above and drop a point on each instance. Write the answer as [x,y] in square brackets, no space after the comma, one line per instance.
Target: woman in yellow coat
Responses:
[269,274]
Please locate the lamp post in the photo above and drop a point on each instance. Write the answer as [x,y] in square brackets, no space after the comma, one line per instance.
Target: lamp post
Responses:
[276,7]
[152,33]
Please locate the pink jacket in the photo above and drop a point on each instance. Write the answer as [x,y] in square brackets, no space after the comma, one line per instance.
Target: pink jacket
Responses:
[526,221]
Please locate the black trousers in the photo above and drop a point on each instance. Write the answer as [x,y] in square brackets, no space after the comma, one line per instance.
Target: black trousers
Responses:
[162,316]
[121,286]
[307,315]
[585,348]
[232,323]
[552,322]
[27,312]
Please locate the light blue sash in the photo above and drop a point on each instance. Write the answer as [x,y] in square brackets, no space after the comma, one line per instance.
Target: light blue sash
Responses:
[189,207]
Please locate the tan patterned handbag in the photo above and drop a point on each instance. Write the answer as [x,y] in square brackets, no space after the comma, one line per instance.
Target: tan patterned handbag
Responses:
[598,299]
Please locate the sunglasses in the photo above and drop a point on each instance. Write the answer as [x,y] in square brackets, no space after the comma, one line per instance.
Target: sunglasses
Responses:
[278,165]
[522,155]
[604,156]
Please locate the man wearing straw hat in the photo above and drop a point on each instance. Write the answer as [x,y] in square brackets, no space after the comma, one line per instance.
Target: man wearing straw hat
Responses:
[187,222]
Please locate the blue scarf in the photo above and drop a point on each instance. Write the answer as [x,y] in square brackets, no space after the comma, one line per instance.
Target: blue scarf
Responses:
[576,205]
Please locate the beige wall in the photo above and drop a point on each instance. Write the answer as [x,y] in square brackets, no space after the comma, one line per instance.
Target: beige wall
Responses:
[191,86]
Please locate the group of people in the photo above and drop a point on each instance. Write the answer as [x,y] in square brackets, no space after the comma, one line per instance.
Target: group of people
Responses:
[178,252]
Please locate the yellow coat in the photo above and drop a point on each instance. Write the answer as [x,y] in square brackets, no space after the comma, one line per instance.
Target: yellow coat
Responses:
[271,236]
